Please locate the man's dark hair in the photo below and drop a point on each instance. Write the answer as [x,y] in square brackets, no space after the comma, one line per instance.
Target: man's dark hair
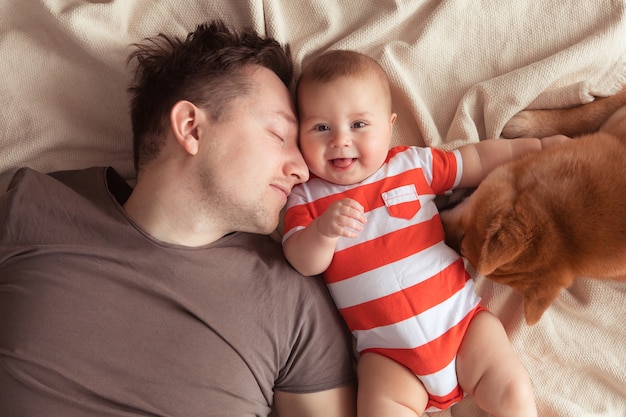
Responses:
[208,68]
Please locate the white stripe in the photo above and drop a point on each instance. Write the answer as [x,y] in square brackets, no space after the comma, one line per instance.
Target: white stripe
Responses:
[459,168]
[443,382]
[291,232]
[417,331]
[379,223]
[392,278]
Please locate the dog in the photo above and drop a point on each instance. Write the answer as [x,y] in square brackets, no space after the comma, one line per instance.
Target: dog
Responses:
[541,221]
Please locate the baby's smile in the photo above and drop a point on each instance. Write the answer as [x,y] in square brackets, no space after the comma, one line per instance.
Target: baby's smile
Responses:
[342,163]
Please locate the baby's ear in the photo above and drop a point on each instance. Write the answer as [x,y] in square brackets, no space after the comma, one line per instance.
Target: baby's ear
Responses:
[505,240]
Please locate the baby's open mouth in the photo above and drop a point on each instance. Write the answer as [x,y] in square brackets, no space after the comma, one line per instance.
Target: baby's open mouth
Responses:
[342,162]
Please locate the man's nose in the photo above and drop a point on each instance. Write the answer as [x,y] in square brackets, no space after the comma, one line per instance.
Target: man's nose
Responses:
[297,168]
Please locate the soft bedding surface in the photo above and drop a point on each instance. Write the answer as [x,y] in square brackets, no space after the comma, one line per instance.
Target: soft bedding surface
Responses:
[460,69]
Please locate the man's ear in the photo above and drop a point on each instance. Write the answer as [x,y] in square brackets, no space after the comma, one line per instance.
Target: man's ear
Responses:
[185,118]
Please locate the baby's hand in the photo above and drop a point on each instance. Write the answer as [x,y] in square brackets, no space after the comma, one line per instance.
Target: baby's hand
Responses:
[342,218]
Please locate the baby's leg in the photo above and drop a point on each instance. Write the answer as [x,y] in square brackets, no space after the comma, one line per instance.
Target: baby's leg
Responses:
[489,369]
[387,388]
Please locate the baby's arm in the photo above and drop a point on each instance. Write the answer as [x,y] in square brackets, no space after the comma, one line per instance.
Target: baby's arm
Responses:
[311,249]
[479,159]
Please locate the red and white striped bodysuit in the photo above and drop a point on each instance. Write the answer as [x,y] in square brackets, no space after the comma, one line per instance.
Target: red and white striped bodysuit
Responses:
[403,293]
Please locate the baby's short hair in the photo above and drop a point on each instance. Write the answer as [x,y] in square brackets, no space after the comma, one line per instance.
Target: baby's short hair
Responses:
[336,64]
[340,63]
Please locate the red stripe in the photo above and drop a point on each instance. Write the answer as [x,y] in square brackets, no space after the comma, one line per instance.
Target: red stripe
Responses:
[443,403]
[408,302]
[444,169]
[384,250]
[395,150]
[435,355]
[295,216]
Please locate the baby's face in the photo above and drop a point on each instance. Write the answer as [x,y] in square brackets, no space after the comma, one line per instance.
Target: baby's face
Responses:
[345,128]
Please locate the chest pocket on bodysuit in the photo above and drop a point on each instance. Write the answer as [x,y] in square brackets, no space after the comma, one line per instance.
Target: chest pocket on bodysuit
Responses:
[402,202]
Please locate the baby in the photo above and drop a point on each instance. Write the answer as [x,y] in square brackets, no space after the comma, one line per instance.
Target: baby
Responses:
[367,220]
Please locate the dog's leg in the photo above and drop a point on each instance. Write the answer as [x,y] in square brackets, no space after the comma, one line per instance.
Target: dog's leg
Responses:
[537,300]
[574,121]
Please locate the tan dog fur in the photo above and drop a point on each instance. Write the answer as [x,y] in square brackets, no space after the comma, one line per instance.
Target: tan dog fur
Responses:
[539,222]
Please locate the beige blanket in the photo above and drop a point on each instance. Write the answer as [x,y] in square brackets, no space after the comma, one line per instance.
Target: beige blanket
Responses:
[460,69]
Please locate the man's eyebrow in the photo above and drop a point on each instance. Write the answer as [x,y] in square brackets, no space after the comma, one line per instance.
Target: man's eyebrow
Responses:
[288,117]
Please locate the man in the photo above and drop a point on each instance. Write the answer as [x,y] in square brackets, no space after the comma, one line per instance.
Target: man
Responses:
[166,299]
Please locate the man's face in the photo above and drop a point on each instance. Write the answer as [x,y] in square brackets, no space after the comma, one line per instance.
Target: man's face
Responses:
[251,159]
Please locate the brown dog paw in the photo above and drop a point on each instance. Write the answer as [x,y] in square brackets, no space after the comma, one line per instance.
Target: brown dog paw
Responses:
[523,124]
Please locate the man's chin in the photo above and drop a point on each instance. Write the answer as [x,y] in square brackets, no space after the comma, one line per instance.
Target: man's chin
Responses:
[273,227]
[267,227]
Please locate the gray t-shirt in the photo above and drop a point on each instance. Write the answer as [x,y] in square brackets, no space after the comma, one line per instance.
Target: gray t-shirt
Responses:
[97,318]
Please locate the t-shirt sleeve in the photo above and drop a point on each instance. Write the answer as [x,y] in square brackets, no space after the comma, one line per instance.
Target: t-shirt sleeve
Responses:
[322,356]
[442,169]
[298,214]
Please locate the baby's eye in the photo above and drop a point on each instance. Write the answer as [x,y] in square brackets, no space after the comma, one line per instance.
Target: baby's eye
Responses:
[321,128]
[358,125]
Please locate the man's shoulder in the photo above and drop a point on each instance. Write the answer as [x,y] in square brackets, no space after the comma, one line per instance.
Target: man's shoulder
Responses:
[29,177]
[89,182]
